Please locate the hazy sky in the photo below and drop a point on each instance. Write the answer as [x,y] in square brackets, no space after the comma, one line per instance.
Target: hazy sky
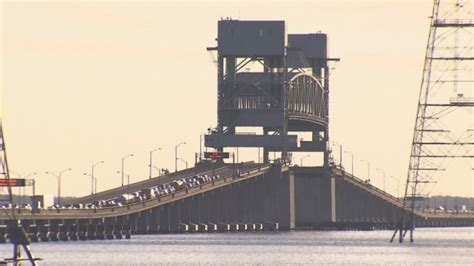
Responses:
[90,81]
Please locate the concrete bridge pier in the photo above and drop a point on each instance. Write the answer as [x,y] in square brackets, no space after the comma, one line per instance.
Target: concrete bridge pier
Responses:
[155,222]
[73,232]
[182,218]
[54,230]
[281,199]
[204,217]
[141,221]
[195,211]
[175,216]
[44,232]
[3,233]
[213,204]
[224,201]
[109,231]
[313,199]
[133,221]
[82,229]
[100,231]
[162,220]
[117,231]
[32,232]
[259,199]
[91,231]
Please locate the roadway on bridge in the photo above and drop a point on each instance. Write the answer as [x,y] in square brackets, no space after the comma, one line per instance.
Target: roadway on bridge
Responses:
[226,172]
[217,168]
[382,195]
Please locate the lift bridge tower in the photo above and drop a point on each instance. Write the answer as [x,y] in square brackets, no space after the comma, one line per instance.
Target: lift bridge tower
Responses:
[443,134]
[287,93]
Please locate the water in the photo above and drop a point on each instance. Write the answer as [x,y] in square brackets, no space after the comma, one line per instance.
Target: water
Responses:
[441,246]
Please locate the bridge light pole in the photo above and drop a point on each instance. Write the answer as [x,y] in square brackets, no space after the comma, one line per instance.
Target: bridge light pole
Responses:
[383,172]
[340,152]
[33,192]
[352,161]
[123,165]
[151,162]
[92,176]
[92,181]
[25,177]
[184,161]
[59,181]
[176,155]
[32,183]
[301,160]
[258,149]
[160,171]
[398,186]
[368,169]
[119,172]
[237,150]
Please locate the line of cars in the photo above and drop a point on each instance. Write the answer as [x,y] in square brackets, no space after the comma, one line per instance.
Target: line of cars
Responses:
[26,206]
[155,191]
[134,197]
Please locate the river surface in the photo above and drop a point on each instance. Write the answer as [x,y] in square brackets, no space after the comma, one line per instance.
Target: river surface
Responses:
[439,246]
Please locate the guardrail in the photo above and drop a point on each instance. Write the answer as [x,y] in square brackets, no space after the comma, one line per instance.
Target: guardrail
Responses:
[366,184]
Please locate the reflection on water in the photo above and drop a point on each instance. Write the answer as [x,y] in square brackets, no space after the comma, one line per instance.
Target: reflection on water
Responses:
[433,246]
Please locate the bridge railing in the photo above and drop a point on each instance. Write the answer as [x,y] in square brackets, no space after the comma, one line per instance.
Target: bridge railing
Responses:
[367,184]
[134,186]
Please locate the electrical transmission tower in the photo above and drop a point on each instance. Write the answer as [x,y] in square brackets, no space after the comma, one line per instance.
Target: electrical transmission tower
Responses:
[17,234]
[442,140]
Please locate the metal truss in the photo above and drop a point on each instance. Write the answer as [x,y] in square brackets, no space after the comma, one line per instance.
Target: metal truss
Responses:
[442,132]
[18,235]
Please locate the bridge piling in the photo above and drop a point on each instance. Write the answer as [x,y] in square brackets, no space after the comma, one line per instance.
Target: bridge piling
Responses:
[100,231]
[32,232]
[73,232]
[3,233]
[91,231]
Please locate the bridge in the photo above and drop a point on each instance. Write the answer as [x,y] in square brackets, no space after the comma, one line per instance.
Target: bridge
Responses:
[256,197]
[290,93]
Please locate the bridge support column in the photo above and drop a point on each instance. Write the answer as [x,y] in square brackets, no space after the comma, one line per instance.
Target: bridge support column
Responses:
[142,222]
[333,198]
[266,158]
[259,199]
[154,221]
[163,218]
[291,186]
[280,182]
[174,219]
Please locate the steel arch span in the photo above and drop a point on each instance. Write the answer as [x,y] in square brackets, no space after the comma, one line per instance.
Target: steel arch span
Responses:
[307,100]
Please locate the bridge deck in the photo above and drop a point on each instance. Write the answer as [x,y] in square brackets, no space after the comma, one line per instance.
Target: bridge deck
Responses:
[110,193]
[248,170]
[353,180]
[228,177]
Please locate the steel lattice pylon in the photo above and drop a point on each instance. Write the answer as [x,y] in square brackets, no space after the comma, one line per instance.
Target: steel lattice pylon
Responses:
[18,235]
[442,138]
